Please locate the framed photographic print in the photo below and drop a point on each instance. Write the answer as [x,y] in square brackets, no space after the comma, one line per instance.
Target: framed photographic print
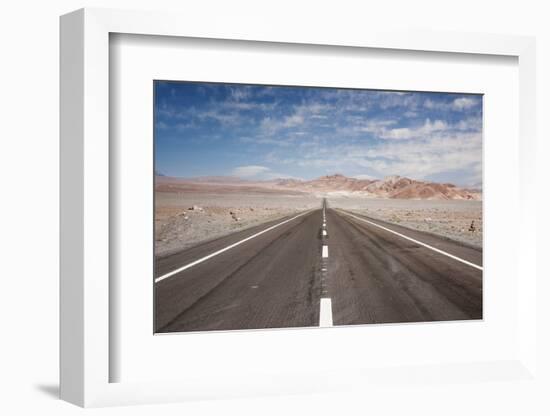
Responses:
[239,208]
[281,207]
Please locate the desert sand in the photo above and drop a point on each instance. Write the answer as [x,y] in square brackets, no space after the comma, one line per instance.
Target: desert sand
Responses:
[448,218]
[188,213]
[184,219]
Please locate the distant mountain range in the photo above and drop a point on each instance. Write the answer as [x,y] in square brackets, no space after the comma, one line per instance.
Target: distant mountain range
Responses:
[395,187]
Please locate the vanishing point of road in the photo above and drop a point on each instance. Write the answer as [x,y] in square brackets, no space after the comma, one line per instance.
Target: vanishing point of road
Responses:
[324,267]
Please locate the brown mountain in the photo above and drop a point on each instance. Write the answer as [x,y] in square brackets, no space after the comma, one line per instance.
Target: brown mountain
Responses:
[397,187]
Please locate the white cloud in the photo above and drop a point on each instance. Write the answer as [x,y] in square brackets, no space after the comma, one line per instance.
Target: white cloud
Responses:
[272,125]
[472,123]
[449,150]
[223,118]
[415,148]
[269,125]
[240,93]
[458,104]
[463,103]
[249,171]
[377,125]
[307,115]
[405,133]
[292,121]
[258,172]
[430,157]
[283,142]
[236,106]
[382,129]
[363,176]
[429,104]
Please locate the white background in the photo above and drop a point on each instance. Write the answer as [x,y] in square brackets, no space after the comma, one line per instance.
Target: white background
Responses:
[29,209]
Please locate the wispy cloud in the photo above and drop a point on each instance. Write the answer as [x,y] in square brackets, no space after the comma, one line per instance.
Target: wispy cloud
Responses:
[406,133]
[249,171]
[259,173]
[463,102]
[458,104]
[363,176]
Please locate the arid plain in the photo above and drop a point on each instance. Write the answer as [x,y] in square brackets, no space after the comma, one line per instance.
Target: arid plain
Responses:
[191,211]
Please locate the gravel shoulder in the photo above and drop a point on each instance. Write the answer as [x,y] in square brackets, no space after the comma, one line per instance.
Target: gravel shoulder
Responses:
[457,220]
[185,219]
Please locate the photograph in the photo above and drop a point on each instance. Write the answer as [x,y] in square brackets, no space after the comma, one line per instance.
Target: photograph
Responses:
[279,206]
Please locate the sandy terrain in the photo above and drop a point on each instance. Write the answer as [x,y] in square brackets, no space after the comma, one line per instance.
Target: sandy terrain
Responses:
[448,218]
[184,218]
[190,212]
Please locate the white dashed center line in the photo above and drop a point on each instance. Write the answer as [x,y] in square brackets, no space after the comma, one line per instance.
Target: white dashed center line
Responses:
[325,314]
[325,304]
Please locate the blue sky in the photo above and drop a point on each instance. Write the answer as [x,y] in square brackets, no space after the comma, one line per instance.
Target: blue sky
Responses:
[263,132]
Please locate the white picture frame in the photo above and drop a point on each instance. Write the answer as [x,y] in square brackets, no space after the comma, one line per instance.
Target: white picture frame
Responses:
[85,212]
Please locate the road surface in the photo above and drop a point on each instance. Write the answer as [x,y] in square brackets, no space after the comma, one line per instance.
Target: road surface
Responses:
[324,267]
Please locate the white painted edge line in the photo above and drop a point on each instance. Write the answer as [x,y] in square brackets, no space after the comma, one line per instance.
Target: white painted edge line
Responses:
[325,252]
[416,241]
[187,266]
[325,313]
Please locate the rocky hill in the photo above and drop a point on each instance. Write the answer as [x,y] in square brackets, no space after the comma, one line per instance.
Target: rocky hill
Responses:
[397,187]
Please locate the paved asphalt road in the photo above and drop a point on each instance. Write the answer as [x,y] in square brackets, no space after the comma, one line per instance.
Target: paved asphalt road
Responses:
[289,273]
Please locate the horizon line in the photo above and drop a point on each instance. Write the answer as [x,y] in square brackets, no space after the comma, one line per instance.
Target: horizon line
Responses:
[473,187]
